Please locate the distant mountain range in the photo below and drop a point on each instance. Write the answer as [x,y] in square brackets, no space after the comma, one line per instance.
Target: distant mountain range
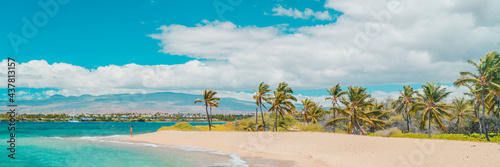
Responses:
[130,103]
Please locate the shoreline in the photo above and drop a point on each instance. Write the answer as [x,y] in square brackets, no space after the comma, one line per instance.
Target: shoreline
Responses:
[329,149]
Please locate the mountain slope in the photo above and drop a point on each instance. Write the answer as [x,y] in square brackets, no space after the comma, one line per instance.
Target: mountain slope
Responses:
[141,103]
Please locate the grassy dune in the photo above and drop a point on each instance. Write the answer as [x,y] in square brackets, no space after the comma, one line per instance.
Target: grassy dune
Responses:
[394,132]
[184,126]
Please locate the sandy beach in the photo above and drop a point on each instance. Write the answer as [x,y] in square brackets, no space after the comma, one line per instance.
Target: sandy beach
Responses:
[328,149]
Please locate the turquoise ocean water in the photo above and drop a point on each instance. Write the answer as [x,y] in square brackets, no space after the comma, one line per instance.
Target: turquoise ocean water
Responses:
[94,144]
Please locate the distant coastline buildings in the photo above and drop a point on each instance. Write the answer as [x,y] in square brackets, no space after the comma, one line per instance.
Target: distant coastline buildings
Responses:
[127,117]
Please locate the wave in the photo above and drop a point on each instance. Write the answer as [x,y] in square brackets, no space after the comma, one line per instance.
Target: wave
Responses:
[99,137]
[57,137]
[113,139]
[235,159]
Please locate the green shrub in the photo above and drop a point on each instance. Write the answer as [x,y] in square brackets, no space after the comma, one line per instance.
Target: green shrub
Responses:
[310,128]
[184,126]
[388,132]
[286,122]
[494,137]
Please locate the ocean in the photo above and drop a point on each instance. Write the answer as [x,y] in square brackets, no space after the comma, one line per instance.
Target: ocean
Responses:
[94,144]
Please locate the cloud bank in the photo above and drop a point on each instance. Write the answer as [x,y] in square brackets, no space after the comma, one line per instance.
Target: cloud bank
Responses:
[376,42]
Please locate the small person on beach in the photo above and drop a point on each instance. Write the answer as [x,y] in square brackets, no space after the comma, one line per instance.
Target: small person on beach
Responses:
[131,128]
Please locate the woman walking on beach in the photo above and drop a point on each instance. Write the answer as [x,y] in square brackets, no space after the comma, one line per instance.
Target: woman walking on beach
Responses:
[131,128]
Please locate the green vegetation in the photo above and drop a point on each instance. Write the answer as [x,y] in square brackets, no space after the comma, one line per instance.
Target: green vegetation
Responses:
[287,123]
[494,137]
[395,132]
[184,126]
[310,128]
[355,111]
[387,133]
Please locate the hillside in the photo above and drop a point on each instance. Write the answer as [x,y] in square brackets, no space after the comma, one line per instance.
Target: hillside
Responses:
[141,103]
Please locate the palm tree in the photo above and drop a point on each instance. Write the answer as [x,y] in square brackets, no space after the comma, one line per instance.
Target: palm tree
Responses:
[214,103]
[487,70]
[462,110]
[260,96]
[307,103]
[431,104]
[492,99]
[357,99]
[403,104]
[475,94]
[281,102]
[335,93]
[315,113]
[375,115]
[209,100]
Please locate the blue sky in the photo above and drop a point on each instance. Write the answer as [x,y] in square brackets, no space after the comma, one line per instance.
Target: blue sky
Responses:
[109,47]
[98,33]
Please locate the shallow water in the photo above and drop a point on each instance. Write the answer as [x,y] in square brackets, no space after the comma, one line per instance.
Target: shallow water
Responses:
[94,144]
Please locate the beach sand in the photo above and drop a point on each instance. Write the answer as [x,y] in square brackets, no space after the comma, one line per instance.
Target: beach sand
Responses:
[328,149]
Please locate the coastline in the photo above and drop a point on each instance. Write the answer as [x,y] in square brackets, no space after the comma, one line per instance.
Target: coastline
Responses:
[328,149]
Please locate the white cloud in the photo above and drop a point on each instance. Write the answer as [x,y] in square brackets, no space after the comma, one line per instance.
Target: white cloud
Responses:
[424,41]
[306,14]
[382,96]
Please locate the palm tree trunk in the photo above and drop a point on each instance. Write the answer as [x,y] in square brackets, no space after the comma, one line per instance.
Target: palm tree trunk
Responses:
[275,128]
[409,118]
[256,116]
[211,116]
[360,129]
[476,113]
[208,118]
[498,103]
[305,115]
[485,130]
[429,132]
[405,117]
[334,116]
[407,123]
[262,114]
